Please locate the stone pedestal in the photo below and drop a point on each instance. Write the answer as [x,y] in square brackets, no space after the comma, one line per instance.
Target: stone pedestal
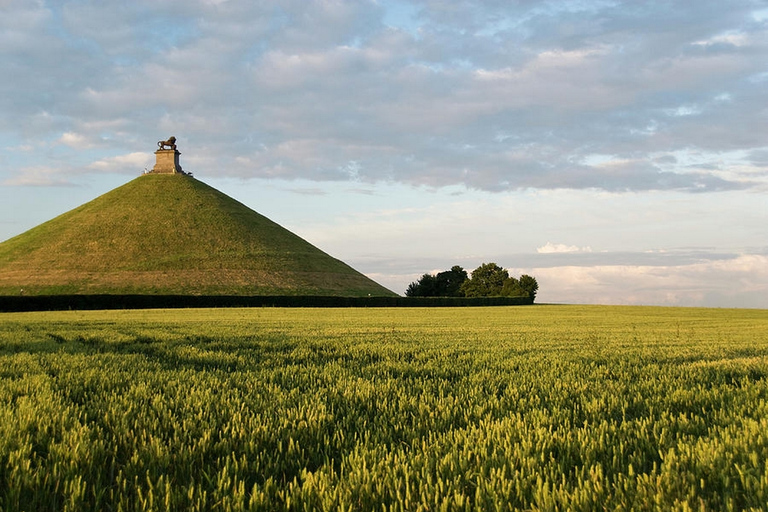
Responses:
[167,162]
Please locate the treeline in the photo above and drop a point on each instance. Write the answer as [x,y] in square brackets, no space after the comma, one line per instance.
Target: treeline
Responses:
[487,280]
[86,302]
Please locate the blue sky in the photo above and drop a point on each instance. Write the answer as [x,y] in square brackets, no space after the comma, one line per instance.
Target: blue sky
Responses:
[618,151]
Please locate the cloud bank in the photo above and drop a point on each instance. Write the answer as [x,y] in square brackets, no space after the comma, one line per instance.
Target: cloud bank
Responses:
[617,96]
[739,281]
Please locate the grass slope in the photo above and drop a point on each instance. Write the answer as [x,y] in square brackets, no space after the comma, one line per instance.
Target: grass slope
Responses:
[171,234]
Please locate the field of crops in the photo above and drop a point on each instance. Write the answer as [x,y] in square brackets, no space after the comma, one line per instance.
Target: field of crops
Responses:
[507,408]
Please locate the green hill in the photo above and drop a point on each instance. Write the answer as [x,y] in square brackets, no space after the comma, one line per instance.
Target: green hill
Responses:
[171,234]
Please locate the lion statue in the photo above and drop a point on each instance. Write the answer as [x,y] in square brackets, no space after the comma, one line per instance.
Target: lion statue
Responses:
[171,143]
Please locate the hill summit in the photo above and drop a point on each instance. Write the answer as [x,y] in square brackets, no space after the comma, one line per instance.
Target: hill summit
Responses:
[171,234]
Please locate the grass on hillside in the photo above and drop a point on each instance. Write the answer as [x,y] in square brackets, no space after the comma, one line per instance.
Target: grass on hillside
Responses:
[171,234]
[544,407]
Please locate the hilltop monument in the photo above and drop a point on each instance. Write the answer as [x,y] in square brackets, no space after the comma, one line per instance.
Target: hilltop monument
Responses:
[167,233]
[167,158]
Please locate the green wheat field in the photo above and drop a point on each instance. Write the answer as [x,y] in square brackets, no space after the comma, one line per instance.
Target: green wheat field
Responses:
[506,408]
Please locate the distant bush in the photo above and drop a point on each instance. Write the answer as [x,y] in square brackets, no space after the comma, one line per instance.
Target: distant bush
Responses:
[488,280]
[444,284]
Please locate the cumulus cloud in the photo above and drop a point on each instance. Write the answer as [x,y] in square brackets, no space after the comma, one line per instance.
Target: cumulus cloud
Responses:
[76,140]
[550,248]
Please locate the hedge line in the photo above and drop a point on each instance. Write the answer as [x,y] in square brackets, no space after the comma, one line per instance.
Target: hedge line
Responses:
[64,302]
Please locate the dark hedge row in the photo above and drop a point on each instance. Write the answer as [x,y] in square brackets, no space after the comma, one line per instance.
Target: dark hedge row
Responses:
[63,302]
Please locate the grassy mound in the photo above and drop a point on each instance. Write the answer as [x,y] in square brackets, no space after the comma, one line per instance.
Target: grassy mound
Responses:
[171,234]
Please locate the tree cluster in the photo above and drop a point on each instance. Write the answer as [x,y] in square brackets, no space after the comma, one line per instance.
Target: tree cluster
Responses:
[444,284]
[487,280]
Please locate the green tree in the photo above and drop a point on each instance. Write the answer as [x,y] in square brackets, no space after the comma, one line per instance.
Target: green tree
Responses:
[424,287]
[444,284]
[487,281]
[529,285]
[450,281]
[512,288]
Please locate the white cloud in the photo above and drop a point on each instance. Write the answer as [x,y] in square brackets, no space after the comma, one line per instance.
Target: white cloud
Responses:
[76,140]
[731,38]
[37,177]
[132,162]
[550,248]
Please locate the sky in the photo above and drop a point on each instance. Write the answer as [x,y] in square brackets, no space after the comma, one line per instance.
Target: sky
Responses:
[615,150]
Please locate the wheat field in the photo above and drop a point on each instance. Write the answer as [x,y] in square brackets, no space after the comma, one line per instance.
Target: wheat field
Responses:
[504,408]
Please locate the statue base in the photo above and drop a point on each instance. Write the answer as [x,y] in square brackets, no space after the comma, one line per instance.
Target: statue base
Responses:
[167,162]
